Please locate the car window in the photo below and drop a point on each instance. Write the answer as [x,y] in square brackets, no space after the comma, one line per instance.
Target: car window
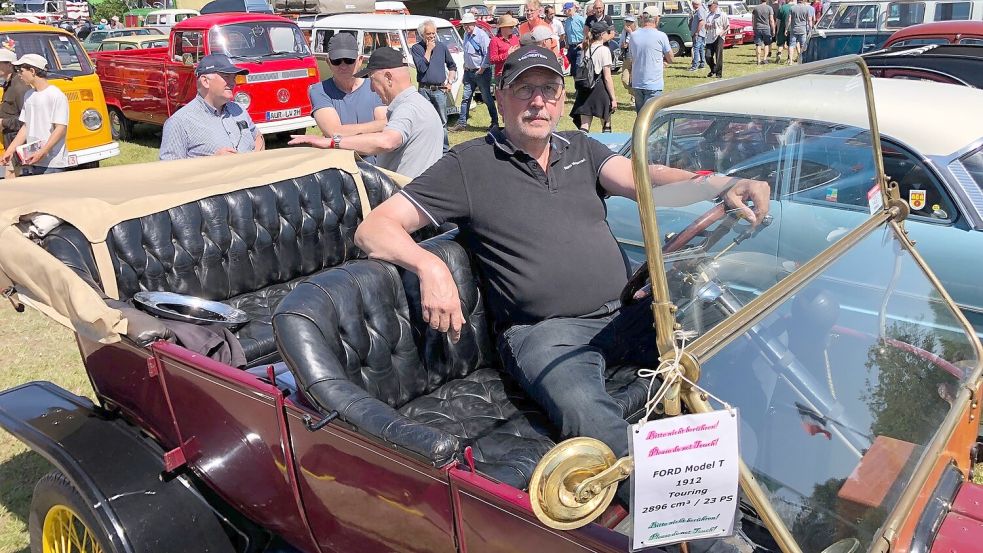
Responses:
[158,43]
[257,40]
[182,16]
[150,20]
[904,14]
[976,41]
[615,10]
[97,36]
[63,52]
[189,46]
[449,37]
[973,164]
[376,39]
[849,16]
[108,46]
[868,17]
[952,11]
[920,41]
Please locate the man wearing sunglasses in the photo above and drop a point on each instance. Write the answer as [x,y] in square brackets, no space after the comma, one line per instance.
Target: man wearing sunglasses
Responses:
[345,105]
[211,124]
[529,203]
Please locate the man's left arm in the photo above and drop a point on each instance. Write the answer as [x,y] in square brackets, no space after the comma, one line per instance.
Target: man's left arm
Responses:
[449,63]
[369,144]
[259,143]
[673,187]
[666,50]
[420,59]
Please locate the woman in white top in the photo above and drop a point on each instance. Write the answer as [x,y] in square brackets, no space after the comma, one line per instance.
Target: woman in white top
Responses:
[598,100]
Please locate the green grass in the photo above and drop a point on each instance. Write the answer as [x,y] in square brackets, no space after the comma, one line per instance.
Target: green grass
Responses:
[35,348]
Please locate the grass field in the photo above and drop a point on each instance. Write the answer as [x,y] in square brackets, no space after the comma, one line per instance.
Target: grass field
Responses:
[34,348]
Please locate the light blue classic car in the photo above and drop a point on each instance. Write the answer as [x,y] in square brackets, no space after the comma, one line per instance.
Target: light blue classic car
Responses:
[933,149]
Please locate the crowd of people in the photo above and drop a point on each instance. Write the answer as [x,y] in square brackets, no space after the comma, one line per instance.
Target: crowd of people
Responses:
[82,25]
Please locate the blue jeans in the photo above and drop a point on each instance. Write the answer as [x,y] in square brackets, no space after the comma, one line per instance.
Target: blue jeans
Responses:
[699,55]
[561,363]
[39,170]
[642,96]
[473,80]
[438,99]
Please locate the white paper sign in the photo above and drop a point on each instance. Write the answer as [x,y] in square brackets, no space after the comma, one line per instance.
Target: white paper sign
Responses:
[686,476]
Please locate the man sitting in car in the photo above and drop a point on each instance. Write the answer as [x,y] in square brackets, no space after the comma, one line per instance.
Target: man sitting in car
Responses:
[529,203]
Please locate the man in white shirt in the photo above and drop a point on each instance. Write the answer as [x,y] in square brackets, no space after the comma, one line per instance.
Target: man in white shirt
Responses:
[45,118]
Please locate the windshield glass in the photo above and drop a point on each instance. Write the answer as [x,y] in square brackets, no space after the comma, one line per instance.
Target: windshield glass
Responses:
[849,16]
[734,9]
[265,39]
[64,53]
[841,388]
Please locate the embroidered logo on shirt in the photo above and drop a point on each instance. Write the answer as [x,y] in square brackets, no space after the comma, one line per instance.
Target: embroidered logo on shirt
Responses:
[574,163]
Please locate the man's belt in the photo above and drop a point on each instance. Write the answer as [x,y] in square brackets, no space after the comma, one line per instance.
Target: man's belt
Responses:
[432,86]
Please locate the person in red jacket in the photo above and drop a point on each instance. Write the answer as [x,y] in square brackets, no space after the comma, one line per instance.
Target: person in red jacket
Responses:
[503,43]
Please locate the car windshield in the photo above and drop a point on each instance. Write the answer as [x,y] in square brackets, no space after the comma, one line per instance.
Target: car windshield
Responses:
[267,39]
[97,37]
[65,55]
[447,35]
[849,16]
[734,9]
[843,382]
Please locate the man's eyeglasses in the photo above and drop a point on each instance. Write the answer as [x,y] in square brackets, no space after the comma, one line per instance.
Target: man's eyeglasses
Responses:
[551,92]
[346,61]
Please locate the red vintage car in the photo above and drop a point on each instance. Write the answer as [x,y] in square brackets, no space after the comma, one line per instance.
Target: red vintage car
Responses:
[262,386]
[148,85]
[939,32]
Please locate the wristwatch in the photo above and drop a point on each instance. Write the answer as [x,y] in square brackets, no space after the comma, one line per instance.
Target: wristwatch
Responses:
[336,141]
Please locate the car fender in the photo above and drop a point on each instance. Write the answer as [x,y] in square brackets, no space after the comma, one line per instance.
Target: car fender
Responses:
[117,471]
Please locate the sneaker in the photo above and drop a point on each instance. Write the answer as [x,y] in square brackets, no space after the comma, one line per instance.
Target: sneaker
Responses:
[702,65]
[457,128]
[710,75]
[692,69]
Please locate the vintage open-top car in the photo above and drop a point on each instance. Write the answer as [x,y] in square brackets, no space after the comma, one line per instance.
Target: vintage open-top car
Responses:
[317,412]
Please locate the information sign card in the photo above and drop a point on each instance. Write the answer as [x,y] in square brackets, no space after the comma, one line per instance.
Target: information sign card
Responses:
[686,477]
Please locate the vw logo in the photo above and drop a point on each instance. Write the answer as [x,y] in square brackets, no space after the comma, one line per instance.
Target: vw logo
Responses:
[283,95]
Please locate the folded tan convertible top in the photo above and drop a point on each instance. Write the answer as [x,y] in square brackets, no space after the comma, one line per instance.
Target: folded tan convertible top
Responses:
[94,201]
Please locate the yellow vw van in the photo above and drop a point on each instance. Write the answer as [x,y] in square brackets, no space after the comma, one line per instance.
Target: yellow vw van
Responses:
[71,70]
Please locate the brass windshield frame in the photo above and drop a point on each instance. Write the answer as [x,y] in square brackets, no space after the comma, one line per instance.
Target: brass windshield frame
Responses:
[893,214]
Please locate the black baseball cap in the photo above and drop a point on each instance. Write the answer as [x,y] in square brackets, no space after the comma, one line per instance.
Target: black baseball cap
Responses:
[342,46]
[382,58]
[526,58]
[218,63]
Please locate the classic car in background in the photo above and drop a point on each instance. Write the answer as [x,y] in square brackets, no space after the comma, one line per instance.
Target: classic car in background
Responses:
[939,32]
[89,140]
[943,63]
[147,86]
[95,38]
[938,172]
[856,27]
[133,43]
[738,13]
[349,425]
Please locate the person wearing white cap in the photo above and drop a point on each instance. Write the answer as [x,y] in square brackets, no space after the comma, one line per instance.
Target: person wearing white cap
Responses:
[477,71]
[14,90]
[45,118]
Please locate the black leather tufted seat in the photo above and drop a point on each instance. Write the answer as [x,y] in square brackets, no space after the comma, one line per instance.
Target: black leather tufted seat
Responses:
[247,248]
[355,340]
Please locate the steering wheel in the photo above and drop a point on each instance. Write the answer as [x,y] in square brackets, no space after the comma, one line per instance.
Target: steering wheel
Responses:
[639,278]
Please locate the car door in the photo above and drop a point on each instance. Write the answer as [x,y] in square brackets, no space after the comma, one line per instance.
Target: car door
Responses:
[819,212]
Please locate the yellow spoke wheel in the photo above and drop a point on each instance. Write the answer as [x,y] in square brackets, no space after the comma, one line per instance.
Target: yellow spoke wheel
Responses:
[65,532]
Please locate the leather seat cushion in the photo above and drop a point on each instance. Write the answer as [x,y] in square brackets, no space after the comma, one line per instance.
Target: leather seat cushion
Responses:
[256,336]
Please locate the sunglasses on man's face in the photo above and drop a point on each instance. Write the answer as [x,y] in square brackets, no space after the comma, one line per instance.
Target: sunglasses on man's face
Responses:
[346,61]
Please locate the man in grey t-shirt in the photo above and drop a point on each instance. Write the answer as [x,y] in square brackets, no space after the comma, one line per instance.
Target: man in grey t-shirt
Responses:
[413,138]
[763,20]
[798,27]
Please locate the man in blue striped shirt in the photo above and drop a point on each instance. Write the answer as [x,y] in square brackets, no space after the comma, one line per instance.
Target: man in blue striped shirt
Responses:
[477,72]
[573,30]
[211,124]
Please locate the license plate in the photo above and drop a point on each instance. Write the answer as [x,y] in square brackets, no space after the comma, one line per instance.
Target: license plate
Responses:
[282,114]
[73,160]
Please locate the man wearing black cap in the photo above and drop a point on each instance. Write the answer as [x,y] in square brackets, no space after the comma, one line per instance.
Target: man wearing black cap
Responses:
[413,138]
[529,205]
[211,124]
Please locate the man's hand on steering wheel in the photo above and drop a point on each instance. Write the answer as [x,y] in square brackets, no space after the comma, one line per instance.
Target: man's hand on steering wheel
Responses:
[440,300]
[737,196]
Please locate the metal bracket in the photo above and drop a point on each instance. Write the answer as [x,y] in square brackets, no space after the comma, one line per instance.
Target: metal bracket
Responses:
[593,486]
[314,426]
[174,459]
[153,367]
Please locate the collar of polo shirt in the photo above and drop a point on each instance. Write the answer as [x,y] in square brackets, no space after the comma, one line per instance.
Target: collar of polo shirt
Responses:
[502,142]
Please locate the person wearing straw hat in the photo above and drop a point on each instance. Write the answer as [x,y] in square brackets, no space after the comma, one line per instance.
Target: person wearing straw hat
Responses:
[477,71]
[503,43]
[14,90]
[45,119]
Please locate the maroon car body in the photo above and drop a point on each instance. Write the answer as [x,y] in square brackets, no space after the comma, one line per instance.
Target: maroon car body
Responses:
[939,32]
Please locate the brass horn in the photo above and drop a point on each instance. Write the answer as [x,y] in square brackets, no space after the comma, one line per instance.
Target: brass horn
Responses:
[575,482]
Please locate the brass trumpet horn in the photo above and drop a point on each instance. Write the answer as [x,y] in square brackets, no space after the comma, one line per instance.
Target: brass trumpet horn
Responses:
[575,482]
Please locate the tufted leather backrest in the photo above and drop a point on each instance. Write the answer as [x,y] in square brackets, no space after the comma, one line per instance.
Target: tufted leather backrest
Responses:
[225,245]
[356,342]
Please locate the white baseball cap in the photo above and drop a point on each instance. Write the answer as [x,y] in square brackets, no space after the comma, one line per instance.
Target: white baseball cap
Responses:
[652,11]
[467,18]
[7,56]
[33,60]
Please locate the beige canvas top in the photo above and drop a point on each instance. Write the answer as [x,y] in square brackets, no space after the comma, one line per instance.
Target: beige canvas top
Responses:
[94,201]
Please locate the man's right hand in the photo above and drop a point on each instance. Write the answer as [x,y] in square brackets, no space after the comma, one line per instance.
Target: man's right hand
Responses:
[441,303]
[225,151]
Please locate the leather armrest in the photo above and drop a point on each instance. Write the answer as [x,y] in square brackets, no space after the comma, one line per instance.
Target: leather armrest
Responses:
[142,328]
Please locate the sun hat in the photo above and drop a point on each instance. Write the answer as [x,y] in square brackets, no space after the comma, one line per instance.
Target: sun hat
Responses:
[468,18]
[507,21]
[34,60]
[7,56]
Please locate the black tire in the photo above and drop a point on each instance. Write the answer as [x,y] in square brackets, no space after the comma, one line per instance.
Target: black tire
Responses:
[53,490]
[677,45]
[119,126]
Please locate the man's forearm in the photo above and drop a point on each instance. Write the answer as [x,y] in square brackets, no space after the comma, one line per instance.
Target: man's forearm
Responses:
[360,128]
[384,239]
[369,144]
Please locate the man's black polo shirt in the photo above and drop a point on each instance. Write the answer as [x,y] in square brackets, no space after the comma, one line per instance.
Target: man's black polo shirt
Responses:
[542,242]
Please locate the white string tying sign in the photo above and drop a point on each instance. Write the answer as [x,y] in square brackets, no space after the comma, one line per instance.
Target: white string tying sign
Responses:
[686,467]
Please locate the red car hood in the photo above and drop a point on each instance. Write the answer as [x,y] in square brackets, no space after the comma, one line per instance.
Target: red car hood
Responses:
[962,528]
